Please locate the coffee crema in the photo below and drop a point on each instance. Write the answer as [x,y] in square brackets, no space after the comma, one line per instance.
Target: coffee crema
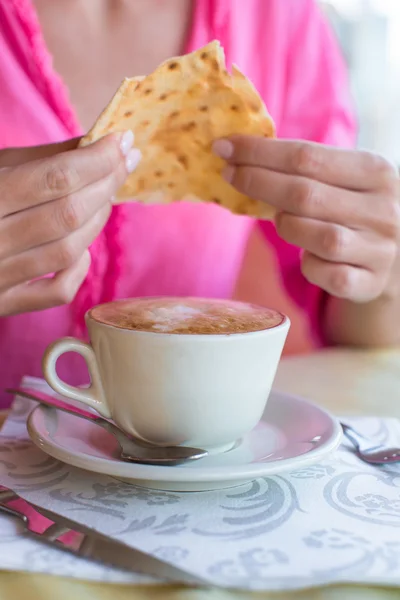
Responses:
[193,316]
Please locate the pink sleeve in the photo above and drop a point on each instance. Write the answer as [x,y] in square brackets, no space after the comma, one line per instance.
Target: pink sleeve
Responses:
[318,108]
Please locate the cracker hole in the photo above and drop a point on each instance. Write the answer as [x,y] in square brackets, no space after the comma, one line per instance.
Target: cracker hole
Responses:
[173,66]
[189,126]
[148,91]
[183,160]
[128,113]
[170,185]
[204,108]
[159,173]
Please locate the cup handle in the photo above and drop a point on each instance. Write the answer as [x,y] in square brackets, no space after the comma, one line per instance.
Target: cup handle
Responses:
[92,396]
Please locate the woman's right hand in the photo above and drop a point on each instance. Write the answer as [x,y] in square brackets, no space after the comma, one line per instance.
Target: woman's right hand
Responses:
[52,206]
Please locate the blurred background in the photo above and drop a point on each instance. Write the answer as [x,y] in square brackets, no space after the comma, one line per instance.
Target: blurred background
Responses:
[369,34]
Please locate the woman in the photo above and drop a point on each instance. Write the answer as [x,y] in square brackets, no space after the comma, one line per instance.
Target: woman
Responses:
[337,228]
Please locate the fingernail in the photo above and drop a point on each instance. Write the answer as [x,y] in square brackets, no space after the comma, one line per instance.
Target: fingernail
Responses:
[132,160]
[126,142]
[223,148]
[228,173]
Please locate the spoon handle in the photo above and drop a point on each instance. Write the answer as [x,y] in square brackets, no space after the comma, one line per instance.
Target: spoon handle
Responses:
[353,436]
[52,402]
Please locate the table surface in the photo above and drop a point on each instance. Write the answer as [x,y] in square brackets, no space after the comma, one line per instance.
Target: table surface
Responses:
[345,382]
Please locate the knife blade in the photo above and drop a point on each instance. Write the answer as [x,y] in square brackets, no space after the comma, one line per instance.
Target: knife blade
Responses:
[59,532]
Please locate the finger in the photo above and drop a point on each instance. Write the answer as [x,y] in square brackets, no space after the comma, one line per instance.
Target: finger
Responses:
[348,169]
[341,280]
[12,157]
[63,175]
[336,243]
[51,257]
[316,200]
[46,293]
[55,220]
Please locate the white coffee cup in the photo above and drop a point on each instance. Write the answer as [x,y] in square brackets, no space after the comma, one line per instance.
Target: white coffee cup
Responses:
[205,391]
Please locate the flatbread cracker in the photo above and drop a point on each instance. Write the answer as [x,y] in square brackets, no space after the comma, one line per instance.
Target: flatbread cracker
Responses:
[176,113]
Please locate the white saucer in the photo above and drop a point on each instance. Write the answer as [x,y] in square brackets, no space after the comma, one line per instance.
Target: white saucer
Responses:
[292,434]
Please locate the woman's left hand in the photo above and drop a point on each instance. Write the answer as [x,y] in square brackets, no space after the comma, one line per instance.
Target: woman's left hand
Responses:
[340,206]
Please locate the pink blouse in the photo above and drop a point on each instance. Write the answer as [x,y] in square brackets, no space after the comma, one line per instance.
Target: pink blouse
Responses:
[289,52]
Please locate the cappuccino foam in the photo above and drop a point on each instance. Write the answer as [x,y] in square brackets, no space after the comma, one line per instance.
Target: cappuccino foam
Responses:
[186,316]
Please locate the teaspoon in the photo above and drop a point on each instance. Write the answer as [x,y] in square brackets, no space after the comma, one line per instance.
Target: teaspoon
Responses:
[131,449]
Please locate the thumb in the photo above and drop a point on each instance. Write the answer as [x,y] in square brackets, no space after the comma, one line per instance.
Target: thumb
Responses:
[12,157]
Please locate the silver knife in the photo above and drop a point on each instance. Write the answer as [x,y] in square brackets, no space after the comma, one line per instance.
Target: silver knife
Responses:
[69,536]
